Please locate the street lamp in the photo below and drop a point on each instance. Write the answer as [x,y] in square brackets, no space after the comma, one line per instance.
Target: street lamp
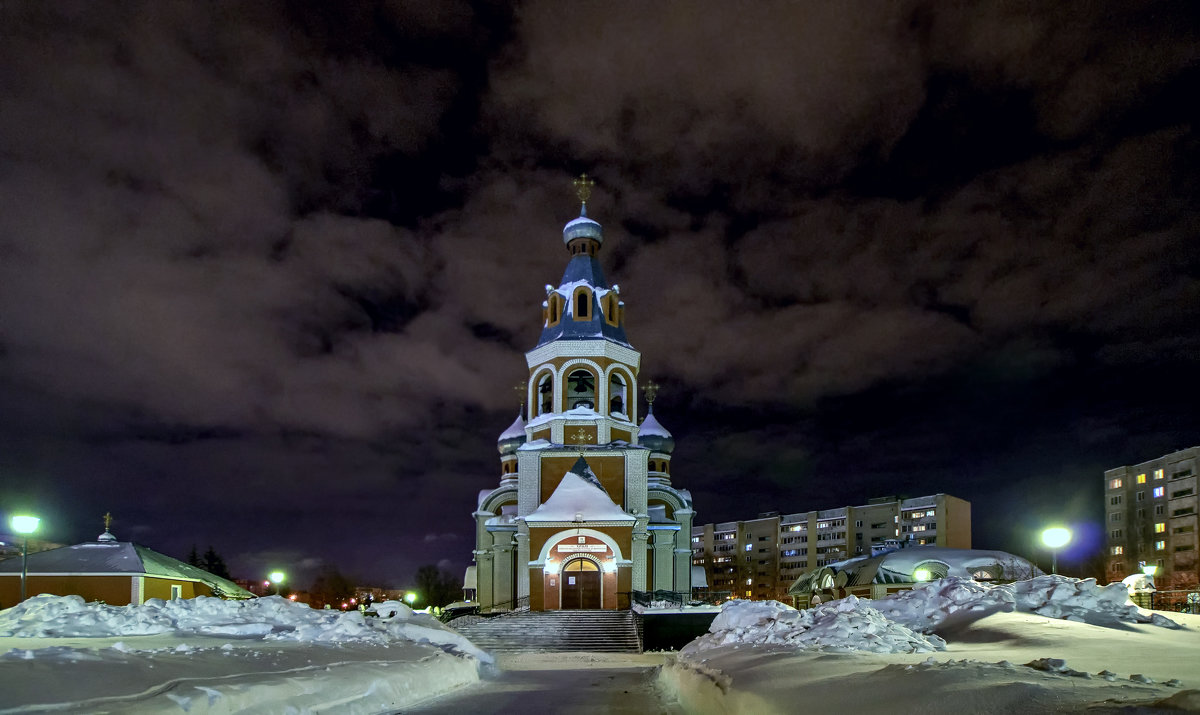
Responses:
[277,578]
[24,525]
[1055,537]
[410,597]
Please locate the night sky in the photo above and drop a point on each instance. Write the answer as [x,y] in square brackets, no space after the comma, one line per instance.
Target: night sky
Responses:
[268,270]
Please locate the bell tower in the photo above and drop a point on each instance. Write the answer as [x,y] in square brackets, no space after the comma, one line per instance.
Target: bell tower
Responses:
[581,517]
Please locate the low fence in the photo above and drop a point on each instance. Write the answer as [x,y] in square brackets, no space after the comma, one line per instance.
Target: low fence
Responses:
[1178,601]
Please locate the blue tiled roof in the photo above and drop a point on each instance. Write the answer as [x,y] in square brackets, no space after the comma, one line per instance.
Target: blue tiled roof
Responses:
[585,269]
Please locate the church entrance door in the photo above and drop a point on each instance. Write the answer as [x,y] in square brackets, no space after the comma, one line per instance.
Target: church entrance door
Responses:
[581,584]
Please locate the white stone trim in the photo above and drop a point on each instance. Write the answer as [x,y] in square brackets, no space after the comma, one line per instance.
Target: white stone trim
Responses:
[573,524]
[583,348]
[532,395]
[631,404]
[577,531]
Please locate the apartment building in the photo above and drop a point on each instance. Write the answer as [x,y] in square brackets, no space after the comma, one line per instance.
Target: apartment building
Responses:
[760,558]
[1152,520]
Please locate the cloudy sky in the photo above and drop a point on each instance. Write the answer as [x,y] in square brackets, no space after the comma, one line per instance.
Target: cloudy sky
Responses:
[268,270]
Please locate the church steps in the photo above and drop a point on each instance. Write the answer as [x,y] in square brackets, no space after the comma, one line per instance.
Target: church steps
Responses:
[555,631]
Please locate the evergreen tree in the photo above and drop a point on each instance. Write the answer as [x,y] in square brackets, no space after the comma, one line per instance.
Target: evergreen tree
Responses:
[331,587]
[214,564]
[437,587]
[194,558]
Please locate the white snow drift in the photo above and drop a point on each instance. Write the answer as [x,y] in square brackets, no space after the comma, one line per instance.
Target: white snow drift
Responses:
[905,622]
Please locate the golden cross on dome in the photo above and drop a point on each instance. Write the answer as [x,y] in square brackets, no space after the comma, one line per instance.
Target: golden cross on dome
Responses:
[107,520]
[580,436]
[583,188]
[651,390]
[519,388]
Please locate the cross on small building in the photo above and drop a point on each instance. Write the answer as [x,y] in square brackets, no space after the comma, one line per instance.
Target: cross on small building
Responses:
[107,520]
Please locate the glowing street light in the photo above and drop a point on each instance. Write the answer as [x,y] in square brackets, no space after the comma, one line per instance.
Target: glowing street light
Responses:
[24,525]
[410,597]
[277,578]
[1055,537]
[1150,569]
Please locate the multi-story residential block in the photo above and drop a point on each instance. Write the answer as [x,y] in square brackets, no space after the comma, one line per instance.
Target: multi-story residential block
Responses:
[760,558]
[1150,512]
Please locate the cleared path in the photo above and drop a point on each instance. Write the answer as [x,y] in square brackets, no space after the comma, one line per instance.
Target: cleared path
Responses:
[577,683]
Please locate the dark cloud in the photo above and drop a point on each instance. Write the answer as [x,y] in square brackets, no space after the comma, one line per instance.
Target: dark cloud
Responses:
[267,272]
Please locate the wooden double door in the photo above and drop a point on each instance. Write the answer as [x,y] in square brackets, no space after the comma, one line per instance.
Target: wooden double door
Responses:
[580,584]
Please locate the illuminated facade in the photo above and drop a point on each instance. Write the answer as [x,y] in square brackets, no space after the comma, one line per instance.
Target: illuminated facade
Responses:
[760,558]
[1150,518]
[585,511]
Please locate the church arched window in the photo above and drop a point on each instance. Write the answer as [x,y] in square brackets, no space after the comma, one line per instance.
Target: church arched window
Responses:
[616,395]
[611,314]
[583,303]
[556,308]
[545,396]
[581,390]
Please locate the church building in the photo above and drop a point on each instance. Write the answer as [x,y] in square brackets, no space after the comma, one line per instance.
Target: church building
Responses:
[585,512]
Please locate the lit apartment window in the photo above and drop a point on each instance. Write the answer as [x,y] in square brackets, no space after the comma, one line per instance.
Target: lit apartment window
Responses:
[1160,527]
[749,581]
[1114,484]
[1158,491]
[1141,479]
[1158,474]
[1160,545]
[749,547]
[1118,550]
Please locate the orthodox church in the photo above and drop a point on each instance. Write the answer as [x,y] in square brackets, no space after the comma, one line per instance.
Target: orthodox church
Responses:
[585,512]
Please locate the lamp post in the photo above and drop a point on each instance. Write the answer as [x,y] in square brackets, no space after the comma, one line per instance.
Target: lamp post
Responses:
[24,525]
[410,598]
[277,578]
[1055,537]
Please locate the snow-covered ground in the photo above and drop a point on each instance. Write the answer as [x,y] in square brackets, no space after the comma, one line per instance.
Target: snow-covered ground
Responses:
[953,646]
[207,655]
[1050,644]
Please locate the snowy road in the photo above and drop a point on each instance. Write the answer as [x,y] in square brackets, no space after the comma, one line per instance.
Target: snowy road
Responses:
[579,683]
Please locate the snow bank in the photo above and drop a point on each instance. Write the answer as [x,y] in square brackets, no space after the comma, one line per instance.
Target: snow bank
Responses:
[845,625]
[905,622]
[943,603]
[269,619]
[1080,600]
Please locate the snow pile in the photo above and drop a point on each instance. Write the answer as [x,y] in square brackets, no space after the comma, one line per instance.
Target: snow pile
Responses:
[845,625]
[904,622]
[944,603]
[1080,600]
[271,619]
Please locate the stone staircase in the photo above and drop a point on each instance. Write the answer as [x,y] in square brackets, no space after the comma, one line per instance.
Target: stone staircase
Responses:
[554,631]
